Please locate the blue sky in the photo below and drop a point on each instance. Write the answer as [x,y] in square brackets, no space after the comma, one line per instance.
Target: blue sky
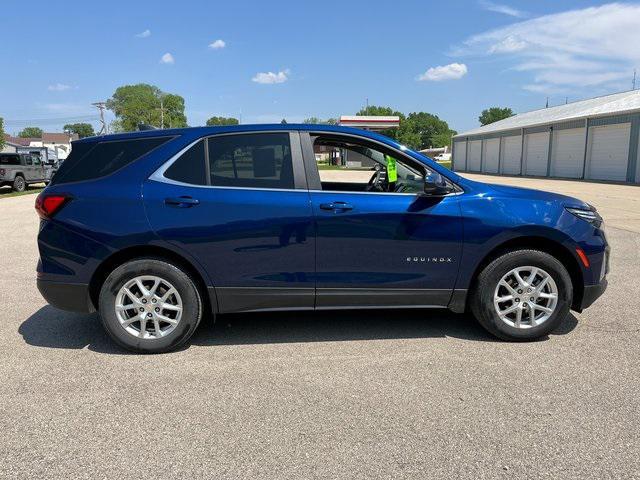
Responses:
[265,60]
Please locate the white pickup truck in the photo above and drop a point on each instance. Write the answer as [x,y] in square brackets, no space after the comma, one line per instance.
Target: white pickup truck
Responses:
[21,169]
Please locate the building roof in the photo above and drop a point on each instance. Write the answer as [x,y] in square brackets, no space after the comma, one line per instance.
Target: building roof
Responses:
[58,137]
[46,138]
[370,121]
[617,103]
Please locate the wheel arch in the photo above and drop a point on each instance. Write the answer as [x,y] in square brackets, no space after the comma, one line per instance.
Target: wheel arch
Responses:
[544,244]
[130,253]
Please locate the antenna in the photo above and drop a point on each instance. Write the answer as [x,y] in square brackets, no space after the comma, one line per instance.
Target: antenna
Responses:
[547,105]
[101,106]
[633,84]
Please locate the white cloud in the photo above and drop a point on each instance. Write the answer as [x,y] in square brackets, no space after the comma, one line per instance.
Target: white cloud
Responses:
[58,87]
[168,59]
[453,71]
[585,48]
[218,44]
[271,78]
[145,34]
[504,9]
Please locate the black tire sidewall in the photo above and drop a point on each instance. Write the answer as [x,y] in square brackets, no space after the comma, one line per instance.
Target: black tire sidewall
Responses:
[16,183]
[192,305]
[482,304]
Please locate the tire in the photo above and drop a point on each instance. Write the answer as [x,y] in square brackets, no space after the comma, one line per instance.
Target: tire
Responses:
[130,335]
[19,184]
[482,300]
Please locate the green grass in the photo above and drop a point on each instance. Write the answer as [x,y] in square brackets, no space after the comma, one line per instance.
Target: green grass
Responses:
[446,164]
[326,166]
[6,192]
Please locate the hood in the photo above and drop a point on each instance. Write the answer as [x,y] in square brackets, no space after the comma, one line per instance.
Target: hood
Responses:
[519,192]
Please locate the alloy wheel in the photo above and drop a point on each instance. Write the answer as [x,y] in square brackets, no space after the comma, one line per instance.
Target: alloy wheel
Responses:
[148,307]
[525,297]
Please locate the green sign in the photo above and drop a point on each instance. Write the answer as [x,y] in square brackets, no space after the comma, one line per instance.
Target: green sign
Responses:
[392,172]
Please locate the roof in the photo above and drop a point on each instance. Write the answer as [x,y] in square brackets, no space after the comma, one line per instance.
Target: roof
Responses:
[58,137]
[370,121]
[24,142]
[617,103]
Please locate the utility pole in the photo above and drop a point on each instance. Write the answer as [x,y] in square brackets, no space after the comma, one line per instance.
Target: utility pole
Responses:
[161,112]
[367,110]
[633,85]
[547,105]
[101,106]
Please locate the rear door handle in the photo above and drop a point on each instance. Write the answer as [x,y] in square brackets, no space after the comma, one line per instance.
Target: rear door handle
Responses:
[181,202]
[336,206]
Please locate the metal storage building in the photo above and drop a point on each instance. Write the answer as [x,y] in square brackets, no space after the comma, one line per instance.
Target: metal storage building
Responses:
[596,139]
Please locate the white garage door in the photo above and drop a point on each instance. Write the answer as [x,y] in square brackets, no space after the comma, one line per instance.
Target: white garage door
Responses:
[491,156]
[536,150]
[460,156]
[608,152]
[511,153]
[474,156]
[567,153]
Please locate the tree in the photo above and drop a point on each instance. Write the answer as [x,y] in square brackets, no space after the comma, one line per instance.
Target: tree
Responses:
[82,129]
[217,121]
[317,121]
[1,133]
[494,114]
[31,132]
[144,103]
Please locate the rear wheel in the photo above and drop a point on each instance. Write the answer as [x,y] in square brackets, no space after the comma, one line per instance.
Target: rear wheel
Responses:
[522,295]
[19,184]
[150,306]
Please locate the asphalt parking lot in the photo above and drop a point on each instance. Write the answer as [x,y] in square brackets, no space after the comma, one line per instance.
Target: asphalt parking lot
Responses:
[328,395]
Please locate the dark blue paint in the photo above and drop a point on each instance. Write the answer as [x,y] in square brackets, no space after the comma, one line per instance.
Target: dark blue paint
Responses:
[283,239]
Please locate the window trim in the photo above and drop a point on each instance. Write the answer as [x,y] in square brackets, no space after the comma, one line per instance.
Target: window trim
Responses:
[299,175]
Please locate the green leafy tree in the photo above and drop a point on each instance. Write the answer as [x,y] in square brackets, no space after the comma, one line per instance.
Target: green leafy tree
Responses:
[144,103]
[2,141]
[494,114]
[82,129]
[217,121]
[31,132]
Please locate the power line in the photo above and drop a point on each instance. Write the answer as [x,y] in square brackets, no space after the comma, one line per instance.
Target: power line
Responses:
[50,120]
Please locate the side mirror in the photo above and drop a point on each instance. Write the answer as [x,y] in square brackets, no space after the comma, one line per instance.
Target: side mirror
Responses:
[436,185]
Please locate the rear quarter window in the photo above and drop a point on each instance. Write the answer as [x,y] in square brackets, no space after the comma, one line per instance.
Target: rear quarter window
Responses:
[9,160]
[88,161]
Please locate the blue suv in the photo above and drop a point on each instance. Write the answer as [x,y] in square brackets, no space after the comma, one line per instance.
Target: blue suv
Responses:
[154,229]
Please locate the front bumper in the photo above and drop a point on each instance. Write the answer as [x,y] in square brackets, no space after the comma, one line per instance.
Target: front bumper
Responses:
[73,297]
[592,293]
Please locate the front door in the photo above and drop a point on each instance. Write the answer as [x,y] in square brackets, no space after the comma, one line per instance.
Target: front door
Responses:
[380,242]
[238,205]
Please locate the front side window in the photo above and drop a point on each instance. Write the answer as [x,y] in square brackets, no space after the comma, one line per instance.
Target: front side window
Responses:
[251,161]
[360,167]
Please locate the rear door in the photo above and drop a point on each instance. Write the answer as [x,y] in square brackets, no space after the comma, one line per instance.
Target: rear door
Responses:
[238,205]
[378,247]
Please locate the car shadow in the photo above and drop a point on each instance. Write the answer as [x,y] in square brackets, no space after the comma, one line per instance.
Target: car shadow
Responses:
[53,328]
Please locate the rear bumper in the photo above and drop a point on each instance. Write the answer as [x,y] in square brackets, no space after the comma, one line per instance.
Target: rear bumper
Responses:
[73,297]
[592,293]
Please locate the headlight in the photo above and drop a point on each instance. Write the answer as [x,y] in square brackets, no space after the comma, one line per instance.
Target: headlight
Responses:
[588,215]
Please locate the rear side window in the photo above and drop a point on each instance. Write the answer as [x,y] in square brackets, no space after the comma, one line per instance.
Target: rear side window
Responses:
[9,160]
[190,167]
[251,160]
[88,161]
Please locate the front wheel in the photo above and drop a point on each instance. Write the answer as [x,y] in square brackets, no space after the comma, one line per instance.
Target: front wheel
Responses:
[522,295]
[150,306]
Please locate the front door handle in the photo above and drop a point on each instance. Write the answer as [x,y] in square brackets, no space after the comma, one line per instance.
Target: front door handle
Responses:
[181,202]
[336,206]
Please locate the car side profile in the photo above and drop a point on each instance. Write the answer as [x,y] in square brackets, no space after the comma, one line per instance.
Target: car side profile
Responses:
[19,170]
[154,229]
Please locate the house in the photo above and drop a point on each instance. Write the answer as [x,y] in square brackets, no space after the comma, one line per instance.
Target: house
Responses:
[9,147]
[60,143]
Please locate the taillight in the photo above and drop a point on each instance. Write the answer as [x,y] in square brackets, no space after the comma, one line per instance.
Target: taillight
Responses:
[48,205]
